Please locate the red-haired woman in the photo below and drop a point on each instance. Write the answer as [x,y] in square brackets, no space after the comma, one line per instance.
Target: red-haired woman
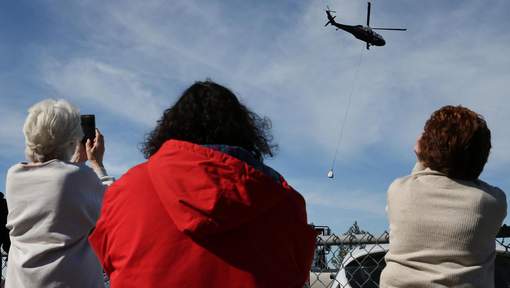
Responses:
[443,219]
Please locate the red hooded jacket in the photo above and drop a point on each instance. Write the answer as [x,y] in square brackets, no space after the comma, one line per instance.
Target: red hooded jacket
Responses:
[193,216]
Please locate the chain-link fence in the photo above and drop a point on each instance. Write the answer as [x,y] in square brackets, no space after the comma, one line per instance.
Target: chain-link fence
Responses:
[4,266]
[355,259]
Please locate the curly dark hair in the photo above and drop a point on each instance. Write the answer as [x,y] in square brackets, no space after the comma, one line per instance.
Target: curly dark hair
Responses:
[456,141]
[208,113]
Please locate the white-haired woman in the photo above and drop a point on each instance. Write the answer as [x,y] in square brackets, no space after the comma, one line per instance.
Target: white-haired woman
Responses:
[54,201]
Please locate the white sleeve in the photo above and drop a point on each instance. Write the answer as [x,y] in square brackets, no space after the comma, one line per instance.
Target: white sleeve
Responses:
[103,176]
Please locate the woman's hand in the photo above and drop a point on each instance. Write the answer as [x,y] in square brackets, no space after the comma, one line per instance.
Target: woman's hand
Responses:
[95,150]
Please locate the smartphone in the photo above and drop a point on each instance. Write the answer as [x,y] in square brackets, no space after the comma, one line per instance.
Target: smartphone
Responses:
[88,125]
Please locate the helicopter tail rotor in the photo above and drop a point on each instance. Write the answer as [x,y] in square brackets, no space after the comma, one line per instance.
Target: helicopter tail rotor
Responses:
[329,22]
[331,18]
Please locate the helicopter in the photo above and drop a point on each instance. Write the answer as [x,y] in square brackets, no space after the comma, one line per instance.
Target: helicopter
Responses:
[363,33]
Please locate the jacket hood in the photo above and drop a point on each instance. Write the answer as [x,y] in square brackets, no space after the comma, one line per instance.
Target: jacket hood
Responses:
[206,191]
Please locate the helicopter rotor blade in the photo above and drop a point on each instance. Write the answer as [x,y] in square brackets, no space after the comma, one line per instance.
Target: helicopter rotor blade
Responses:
[389,29]
[329,10]
[368,13]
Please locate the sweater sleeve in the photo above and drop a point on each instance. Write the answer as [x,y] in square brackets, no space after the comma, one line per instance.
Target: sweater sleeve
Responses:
[103,176]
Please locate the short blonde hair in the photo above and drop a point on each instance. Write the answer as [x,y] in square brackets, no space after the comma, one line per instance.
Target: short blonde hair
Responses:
[52,130]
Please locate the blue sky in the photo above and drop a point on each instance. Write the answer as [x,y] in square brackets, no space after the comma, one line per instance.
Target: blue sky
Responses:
[126,61]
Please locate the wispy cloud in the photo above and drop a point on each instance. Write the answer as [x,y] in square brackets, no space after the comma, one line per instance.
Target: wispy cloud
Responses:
[11,131]
[117,90]
[132,59]
[340,205]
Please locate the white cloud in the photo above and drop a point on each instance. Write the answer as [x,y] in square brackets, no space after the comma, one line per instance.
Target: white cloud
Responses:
[121,94]
[325,193]
[285,64]
[338,205]
[119,91]
[12,140]
[305,69]
[120,156]
[398,87]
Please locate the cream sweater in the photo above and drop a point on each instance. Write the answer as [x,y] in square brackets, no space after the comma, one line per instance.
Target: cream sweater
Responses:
[442,231]
[52,208]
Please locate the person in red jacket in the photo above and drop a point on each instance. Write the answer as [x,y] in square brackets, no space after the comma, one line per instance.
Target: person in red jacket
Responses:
[204,211]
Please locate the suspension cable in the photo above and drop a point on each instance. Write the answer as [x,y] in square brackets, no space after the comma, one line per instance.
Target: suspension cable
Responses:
[346,115]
